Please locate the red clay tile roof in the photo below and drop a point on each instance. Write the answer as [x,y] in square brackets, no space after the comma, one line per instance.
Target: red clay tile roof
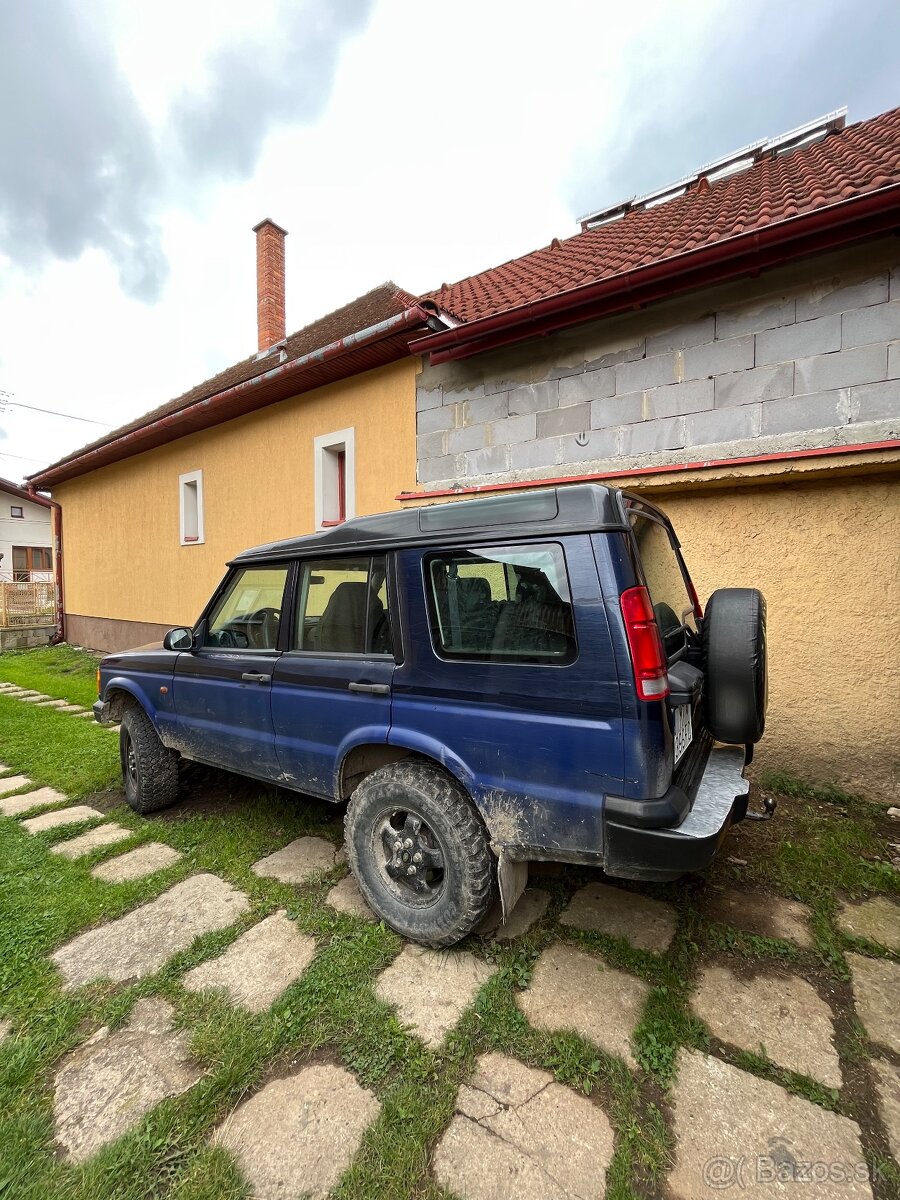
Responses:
[860,159]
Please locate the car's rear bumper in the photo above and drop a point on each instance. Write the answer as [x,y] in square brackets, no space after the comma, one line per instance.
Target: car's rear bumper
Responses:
[632,851]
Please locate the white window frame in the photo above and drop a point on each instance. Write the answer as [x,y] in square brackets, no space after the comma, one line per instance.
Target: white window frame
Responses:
[196,478]
[325,474]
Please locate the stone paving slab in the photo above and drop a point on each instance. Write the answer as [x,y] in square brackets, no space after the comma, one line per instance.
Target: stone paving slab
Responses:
[530,908]
[431,988]
[297,1136]
[84,843]
[646,923]
[106,1086]
[52,704]
[140,942]
[88,713]
[259,965]
[518,1135]
[76,815]
[14,806]
[12,783]
[72,708]
[782,1016]
[5,1030]
[574,990]
[34,698]
[136,864]
[298,861]
[766,916]
[742,1136]
[347,898]
[876,986]
[887,1089]
[877,920]
[21,692]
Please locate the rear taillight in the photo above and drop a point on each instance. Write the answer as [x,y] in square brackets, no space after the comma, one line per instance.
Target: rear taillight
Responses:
[651,675]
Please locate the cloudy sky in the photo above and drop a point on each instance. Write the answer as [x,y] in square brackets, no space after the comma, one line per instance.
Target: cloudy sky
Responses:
[418,142]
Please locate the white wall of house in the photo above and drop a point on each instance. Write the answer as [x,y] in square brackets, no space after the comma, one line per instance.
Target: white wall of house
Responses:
[32,529]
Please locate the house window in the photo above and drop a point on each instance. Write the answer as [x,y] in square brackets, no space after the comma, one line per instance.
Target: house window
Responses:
[335,478]
[16,510]
[190,488]
[29,561]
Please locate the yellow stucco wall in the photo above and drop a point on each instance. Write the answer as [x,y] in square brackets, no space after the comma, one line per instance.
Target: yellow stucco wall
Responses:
[123,559]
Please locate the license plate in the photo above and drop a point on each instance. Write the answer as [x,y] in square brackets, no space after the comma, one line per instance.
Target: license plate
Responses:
[683,730]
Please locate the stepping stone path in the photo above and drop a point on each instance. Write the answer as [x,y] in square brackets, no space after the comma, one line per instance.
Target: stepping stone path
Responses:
[14,806]
[106,1086]
[12,783]
[430,989]
[140,942]
[887,1088]
[143,860]
[76,815]
[739,1135]
[876,986]
[5,1030]
[52,704]
[780,1016]
[647,924]
[297,1136]
[298,861]
[518,1135]
[877,920]
[347,898]
[766,916]
[34,697]
[530,908]
[574,990]
[257,968]
[103,835]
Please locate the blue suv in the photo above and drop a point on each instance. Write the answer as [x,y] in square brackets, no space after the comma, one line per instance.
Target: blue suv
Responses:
[485,682]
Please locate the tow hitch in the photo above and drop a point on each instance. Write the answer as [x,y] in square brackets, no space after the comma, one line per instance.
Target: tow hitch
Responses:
[769,804]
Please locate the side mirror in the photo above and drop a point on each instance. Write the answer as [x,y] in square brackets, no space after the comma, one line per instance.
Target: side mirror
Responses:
[178,639]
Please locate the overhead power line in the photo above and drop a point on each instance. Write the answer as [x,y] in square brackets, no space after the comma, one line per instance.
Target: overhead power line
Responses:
[4,400]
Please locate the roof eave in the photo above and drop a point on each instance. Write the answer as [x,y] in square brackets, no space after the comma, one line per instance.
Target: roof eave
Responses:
[12,489]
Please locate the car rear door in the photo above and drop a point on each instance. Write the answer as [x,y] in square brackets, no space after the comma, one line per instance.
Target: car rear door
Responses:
[331,690]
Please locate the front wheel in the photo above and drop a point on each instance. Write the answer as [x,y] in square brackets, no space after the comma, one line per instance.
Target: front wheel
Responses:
[149,769]
[420,853]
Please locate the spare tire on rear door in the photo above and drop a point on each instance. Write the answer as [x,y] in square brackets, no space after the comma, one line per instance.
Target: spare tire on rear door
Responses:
[734,648]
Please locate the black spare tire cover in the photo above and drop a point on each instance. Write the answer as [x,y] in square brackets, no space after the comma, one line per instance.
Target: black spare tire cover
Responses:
[734,649]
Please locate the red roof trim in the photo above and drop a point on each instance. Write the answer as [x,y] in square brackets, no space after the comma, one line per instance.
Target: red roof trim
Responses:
[634,472]
[13,489]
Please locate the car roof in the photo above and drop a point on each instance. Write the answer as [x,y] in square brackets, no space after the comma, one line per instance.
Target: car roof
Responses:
[544,512]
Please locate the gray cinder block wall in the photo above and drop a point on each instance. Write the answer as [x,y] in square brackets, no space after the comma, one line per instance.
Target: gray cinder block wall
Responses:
[801,358]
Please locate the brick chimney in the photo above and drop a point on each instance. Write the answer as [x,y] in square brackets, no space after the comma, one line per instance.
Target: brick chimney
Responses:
[269,283]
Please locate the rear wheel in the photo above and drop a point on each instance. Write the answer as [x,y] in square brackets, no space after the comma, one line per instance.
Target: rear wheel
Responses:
[735,662]
[149,769]
[420,853]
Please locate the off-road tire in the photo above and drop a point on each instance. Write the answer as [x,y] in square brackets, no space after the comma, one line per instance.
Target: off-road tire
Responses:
[735,665]
[469,865]
[153,783]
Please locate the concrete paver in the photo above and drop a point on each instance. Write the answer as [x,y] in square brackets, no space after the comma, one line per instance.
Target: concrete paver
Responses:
[531,907]
[518,1135]
[876,986]
[781,1016]
[71,708]
[5,1030]
[887,1089]
[140,942]
[76,815]
[737,1134]
[430,988]
[646,923]
[764,915]
[12,783]
[34,698]
[106,1086]
[143,860]
[574,990]
[84,843]
[52,704]
[347,898]
[877,919]
[259,965]
[14,806]
[297,1136]
[298,861]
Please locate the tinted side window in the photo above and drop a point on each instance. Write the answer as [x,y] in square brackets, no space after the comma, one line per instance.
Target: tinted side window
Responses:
[343,607]
[503,604]
[248,614]
[665,581]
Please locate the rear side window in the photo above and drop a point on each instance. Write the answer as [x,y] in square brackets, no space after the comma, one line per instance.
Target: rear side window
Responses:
[343,607]
[501,604]
[669,593]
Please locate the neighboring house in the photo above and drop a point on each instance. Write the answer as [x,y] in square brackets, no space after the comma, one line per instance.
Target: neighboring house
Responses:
[26,536]
[732,346]
[315,428]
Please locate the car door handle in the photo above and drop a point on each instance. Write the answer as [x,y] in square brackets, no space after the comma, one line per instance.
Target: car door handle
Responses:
[256,677]
[373,689]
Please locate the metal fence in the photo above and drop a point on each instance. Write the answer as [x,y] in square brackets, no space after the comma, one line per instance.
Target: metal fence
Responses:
[27,604]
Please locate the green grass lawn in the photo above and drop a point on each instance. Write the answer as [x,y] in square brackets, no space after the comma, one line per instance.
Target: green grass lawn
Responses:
[223,825]
[58,671]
